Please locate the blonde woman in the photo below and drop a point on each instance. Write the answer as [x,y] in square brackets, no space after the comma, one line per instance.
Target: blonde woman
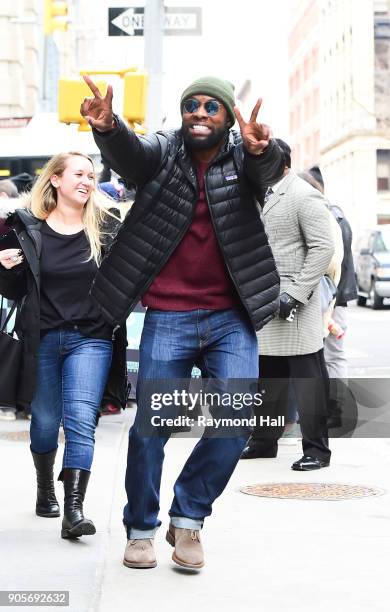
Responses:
[67,346]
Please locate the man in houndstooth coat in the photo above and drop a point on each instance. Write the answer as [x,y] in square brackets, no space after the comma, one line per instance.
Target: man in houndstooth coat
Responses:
[297,222]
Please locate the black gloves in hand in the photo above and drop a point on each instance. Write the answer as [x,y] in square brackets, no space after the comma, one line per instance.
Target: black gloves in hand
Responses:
[288,307]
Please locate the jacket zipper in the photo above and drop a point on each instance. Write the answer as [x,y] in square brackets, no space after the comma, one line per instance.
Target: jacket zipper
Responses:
[146,287]
[225,259]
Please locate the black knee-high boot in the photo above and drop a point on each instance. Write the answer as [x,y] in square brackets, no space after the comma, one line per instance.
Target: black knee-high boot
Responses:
[74,524]
[47,504]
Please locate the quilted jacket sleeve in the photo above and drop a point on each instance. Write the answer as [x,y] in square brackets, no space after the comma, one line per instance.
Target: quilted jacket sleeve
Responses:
[135,158]
[265,169]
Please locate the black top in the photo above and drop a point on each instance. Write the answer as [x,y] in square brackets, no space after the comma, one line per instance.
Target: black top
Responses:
[66,278]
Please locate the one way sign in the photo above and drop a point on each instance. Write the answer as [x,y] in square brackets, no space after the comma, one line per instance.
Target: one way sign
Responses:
[177,21]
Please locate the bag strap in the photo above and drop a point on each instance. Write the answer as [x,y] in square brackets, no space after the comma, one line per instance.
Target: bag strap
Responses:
[9,315]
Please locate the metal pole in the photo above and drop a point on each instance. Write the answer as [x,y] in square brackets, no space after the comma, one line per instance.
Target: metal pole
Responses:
[154,36]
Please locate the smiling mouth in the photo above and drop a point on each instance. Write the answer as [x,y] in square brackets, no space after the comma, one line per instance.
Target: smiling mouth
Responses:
[198,129]
[83,191]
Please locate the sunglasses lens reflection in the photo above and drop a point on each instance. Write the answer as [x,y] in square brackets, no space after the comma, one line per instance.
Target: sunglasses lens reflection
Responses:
[192,105]
[211,107]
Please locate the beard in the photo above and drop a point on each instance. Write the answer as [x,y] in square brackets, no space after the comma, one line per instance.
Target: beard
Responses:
[208,142]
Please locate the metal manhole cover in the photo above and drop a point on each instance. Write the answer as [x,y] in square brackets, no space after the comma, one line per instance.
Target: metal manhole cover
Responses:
[314,490]
[21,436]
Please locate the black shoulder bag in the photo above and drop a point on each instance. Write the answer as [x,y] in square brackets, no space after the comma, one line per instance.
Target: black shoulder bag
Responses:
[10,359]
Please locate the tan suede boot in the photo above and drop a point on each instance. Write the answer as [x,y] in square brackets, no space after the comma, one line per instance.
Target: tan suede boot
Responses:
[139,554]
[188,548]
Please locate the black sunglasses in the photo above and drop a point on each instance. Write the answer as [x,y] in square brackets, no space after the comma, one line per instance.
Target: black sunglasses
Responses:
[211,106]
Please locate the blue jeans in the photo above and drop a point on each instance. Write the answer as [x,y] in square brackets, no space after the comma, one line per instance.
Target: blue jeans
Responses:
[72,373]
[223,345]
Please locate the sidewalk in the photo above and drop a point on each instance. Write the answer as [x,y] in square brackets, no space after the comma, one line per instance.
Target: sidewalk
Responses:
[261,554]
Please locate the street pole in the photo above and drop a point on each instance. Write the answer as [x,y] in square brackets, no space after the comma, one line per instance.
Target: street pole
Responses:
[154,36]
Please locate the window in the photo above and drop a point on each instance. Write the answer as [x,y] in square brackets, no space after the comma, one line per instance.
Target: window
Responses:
[297,79]
[307,108]
[306,69]
[382,241]
[316,145]
[298,117]
[314,59]
[316,101]
[383,169]
[308,146]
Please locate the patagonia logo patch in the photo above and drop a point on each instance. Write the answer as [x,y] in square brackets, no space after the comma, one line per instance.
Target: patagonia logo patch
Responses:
[231,177]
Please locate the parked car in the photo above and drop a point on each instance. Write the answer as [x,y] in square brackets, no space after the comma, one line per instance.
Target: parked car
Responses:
[372,266]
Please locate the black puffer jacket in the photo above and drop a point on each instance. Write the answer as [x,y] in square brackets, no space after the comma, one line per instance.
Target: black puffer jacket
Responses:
[167,193]
[23,284]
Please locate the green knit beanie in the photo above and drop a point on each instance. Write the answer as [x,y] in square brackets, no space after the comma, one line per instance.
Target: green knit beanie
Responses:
[221,90]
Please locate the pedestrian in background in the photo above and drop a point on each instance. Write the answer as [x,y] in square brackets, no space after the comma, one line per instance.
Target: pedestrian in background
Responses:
[291,346]
[330,281]
[67,345]
[117,389]
[7,190]
[334,347]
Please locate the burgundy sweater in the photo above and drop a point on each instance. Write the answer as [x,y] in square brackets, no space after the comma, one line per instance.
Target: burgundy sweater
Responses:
[195,276]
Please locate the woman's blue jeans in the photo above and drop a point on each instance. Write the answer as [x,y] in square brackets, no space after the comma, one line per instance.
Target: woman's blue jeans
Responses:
[72,374]
[224,346]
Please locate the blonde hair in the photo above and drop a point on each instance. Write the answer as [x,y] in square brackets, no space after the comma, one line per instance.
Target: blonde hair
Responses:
[42,200]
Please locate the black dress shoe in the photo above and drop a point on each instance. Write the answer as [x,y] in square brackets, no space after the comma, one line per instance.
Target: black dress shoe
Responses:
[257,449]
[306,463]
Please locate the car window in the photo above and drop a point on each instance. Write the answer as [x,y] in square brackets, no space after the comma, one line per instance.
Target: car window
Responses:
[373,242]
[382,242]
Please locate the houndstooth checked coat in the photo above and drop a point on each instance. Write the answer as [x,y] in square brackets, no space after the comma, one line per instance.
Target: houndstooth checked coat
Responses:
[296,220]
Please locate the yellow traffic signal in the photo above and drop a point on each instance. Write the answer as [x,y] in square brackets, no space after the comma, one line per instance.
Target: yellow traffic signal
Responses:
[135,96]
[52,10]
[71,93]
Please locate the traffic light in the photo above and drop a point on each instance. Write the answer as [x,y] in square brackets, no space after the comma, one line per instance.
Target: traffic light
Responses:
[52,10]
[71,93]
[135,96]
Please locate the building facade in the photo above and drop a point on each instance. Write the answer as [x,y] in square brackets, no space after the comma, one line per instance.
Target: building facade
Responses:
[19,57]
[347,127]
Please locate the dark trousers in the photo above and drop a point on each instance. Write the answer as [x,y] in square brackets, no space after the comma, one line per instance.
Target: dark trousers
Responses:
[309,377]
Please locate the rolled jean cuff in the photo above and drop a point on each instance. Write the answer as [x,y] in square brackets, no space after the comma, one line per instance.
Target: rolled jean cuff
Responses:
[141,534]
[183,522]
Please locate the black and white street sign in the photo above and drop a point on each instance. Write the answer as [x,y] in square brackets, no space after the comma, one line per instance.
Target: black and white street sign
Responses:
[178,21]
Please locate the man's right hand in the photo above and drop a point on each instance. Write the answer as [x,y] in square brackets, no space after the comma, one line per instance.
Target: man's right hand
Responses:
[98,110]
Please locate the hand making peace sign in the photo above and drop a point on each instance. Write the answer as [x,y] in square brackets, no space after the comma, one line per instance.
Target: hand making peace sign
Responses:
[98,110]
[255,135]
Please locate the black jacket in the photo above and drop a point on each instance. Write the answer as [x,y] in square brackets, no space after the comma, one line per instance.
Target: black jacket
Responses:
[23,284]
[167,192]
[346,289]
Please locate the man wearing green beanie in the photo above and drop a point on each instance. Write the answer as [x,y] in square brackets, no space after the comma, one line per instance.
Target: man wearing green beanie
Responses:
[194,250]
[221,90]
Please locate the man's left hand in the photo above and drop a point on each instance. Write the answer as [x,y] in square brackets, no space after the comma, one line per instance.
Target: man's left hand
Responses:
[255,135]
